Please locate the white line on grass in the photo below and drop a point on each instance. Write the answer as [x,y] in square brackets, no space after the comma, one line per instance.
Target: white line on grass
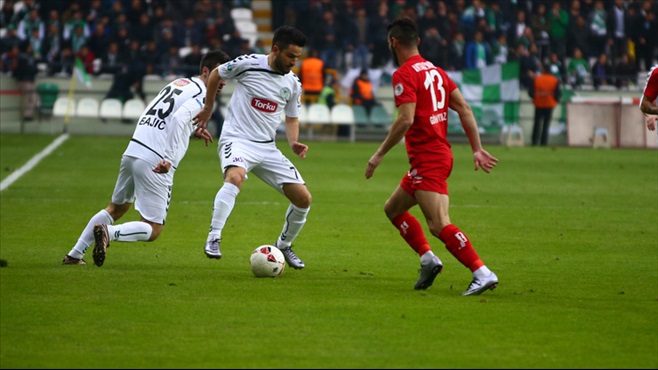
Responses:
[32,162]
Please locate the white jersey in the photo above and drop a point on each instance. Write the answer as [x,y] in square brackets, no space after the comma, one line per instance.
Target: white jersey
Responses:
[259,98]
[163,130]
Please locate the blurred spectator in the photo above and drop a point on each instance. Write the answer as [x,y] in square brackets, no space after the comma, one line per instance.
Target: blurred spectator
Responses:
[135,10]
[94,13]
[171,62]
[329,94]
[625,72]
[25,71]
[10,40]
[477,53]
[646,45]
[558,19]
[356,39]
[143,29]
[362,92]
[192,60]
[111,61]
[556,68]
[98,40]
[233,44]
[127,84]
[434,47]
[312,75]
[578,69]
[9,59]
[578,37]
[545,93]
[78,38]
[528,65]
[31,21]
[469,18]
[76,22]
[495,20]
[617,25]
[500,51]
[517,30]
[66,59]
[23,11]
[166,41]
[6,13]
[427,19]
[52,45]
[190,32]
[151,58]
[378,41]
[328,44]
[456,52]
[598,28]
[37,45]
[87,57]
[602,72]
[541,27]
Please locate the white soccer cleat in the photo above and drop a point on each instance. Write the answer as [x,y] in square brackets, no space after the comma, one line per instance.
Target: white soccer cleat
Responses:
[291,258]
[428,273]
[479,286]
[212,249]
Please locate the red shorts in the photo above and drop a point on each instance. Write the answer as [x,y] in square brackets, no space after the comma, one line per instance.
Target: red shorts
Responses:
[429,173]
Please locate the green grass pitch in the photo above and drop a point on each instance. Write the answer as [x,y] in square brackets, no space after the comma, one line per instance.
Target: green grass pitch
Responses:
[572,234]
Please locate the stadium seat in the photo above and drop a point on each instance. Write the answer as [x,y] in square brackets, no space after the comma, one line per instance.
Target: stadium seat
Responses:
[360,115]
[87,108]
[110,109]
[246,27]
[342,114]
[318,114]
[379,116]
[64,106]
[133,108]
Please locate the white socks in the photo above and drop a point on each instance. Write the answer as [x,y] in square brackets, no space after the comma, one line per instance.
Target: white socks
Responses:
[224,203]
[482,272]
[130,231]
[295,220]
[427,257]
[87,236]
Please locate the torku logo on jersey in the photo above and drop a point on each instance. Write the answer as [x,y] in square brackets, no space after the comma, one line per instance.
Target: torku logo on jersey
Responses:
[264,105]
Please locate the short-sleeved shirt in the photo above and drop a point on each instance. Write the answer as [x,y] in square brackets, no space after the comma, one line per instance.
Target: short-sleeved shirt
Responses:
[259,99]
[651,87]
[421,82]
[164,128]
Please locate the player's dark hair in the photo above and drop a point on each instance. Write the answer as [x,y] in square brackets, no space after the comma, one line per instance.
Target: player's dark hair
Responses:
[212,59]
[287,35]
[404,30]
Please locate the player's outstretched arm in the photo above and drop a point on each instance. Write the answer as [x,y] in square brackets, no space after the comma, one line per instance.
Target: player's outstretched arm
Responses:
[651,122]
[481,158]
[405,119]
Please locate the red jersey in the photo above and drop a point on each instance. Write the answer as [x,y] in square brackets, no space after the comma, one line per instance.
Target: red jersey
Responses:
[651,88]
[421,82]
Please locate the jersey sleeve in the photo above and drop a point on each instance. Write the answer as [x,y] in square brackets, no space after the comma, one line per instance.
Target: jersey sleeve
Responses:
[180,129]
[295,103]
[651,87]
[404,87]
[233,68]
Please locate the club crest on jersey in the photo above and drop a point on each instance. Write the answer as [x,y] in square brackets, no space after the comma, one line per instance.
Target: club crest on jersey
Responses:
[285,93]
[229,67]
[398,89]
[264,105]
[181,82]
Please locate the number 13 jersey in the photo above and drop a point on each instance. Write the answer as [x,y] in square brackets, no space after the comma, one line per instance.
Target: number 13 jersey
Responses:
[421,82]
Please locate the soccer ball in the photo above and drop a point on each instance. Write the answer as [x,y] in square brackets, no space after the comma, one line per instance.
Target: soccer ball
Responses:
[267,261]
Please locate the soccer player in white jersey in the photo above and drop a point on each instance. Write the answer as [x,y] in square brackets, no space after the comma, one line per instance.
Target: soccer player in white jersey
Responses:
[265,88]
[146,174]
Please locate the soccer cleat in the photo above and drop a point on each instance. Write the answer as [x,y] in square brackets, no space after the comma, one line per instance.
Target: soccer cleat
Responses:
[291,258]
[212,249]
[68,260]
[478,286]
[102,238]
[428,273]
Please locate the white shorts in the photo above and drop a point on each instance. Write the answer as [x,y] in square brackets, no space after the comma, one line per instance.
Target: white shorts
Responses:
[150,191]
[264,160]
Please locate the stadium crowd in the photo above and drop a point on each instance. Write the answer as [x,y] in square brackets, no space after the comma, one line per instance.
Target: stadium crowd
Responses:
[597,42]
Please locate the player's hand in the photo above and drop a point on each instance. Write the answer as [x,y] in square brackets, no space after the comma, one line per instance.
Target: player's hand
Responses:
[299,149]
[651,122]
[484,160]
[374,161]
[202,133]
[201,118]
[162,167]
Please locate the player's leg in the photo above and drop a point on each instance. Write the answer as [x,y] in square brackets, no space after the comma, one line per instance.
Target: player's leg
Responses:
[153,195]
[236,158]
[397,210]
[279,173]
[123,196]
[435,208]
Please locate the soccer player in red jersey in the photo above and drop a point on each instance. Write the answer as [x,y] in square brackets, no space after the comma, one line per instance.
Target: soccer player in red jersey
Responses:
[423,94]
[648,100]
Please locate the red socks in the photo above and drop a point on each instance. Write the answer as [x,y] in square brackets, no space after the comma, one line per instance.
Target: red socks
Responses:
[412,233]
[459,246]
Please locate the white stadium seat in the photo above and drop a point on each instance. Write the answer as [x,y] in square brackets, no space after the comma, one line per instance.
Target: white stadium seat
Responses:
[111,109]
[60,108]
[342,114]
[133,108]
[87,108]
[242,14]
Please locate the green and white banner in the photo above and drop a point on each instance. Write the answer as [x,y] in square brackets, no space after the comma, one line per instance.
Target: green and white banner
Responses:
[493,94]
